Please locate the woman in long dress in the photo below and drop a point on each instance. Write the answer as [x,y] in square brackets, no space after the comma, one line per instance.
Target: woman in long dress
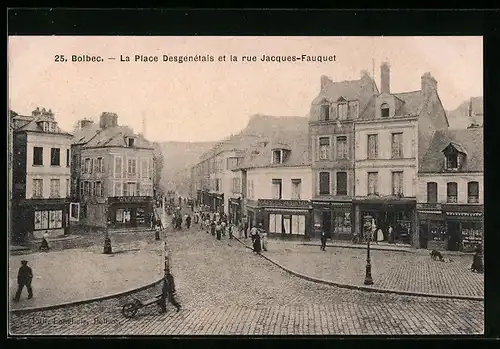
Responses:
[380,236]
[257,243]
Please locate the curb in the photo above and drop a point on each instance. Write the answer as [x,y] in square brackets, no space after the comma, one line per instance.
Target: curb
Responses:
[365,288]
[376,248]
[85,301]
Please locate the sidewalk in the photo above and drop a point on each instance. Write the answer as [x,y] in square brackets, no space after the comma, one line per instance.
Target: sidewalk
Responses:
[81,274]
[391,270]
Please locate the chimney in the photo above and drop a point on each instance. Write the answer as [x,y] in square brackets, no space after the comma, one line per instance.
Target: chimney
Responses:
[86,123]
[108,120]
[429,84]
[385,78]
[325,80]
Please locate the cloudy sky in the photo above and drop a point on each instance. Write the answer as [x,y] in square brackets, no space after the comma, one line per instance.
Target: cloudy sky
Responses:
[206,101]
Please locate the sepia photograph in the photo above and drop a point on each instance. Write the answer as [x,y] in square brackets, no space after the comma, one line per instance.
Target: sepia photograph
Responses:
[245,186]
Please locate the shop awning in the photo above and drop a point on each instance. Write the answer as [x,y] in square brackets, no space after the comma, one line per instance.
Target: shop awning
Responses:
[388,200]
[464,214]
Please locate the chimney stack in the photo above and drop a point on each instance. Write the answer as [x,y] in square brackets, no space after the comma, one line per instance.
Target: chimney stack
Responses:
[428,83]
[108,120]
[385,78]
[85,123]
[325,80]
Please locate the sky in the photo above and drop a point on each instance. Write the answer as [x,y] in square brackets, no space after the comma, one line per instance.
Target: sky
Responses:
[207,101]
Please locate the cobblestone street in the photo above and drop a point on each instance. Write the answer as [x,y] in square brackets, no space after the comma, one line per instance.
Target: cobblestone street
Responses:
[414,272]
[225,289]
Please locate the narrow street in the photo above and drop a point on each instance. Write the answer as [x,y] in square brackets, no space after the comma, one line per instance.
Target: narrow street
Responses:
[225,289]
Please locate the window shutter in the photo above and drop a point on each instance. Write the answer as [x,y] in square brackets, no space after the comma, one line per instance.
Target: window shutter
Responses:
[317,148]
[330,151]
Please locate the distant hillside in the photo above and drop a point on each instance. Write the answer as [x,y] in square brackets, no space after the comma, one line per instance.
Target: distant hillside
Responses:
[459,117]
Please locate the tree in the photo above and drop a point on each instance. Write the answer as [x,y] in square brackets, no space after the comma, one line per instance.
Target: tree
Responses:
[158,168]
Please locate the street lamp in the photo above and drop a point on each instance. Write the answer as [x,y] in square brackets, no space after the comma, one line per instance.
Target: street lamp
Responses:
[107,241]
[368,274]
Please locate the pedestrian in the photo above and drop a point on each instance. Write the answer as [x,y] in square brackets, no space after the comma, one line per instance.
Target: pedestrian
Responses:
[245,229]
[390,234]
[218,230]
[212,228]
[253,233]
[223,227]
[44,245]
[323,240]
[257,244]
[157,232]
[188,222]
[380,235]
[24,278]
[477,261]
[168,291]
[264,239]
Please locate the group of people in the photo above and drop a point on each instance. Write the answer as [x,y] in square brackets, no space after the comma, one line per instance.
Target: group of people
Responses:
[178,219]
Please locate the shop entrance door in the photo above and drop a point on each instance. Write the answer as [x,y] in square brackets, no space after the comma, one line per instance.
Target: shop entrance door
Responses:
[454,236]
[327,223]
[423,235]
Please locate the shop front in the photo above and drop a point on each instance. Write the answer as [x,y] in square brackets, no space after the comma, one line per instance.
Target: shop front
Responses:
[216,202]
[36,217]
[130,211]
[335,218]
[464,225]
[395,217]
[235,209]
[285,218]
[432,233]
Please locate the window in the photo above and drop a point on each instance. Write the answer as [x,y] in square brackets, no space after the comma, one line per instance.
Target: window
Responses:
[384,110]
[452,161]
[52,127]
[86,188]
[87,166]
[324,183]
[130,189]
[118,189]
[397,145]
[81,189]
[473,192]
[55,219]
[131,168]
[98,189]
[342,147]
[130,142]
[145,168]
[55,188]
[38,188]
[451,192]
[342,111]
[353,110]
[275,223]
[372,146]
[68,158]
[298,225]
[55,157]
[138,189]
[432,192]
[45,126]
[372,183]
[277,157]
[296,188]
[397,183]
[277,189]
[38,156]
[217,188]
[99,165]
[94,189]
[118,167]
[68,188]
[341,183]
[325,112]
[324,148]
[48,220]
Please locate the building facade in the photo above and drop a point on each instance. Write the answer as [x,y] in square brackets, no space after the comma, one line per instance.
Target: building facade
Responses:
[41,176]
[450,191]
[388,136]
[331,128]
[114,179]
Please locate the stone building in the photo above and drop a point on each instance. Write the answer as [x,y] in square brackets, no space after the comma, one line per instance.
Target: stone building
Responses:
[331,128]
[391,136]
[41,163]
[113,176]
[450,191]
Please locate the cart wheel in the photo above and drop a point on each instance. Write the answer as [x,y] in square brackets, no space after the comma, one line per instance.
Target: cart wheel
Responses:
[129,310]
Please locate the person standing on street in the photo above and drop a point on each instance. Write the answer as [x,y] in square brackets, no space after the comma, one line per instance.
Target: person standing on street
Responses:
[168,291]
[24,278]
[188,222]
[323,240]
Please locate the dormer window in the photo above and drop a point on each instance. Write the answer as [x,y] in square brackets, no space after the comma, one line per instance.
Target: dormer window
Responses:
[342,111]
[454,157]
[384,110]
[130,142]
[277,156]
[452,162]
[324,112]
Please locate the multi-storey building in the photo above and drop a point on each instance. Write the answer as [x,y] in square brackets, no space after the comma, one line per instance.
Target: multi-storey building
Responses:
[41,176]
[331,127]
[391,135]
[450,191]
[276,183]
[114,181]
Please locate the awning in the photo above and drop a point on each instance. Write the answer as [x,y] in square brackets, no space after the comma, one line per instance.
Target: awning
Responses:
[465,214]
[387,200]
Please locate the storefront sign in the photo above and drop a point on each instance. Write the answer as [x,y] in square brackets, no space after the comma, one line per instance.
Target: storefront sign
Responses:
[284,203]
[129,199]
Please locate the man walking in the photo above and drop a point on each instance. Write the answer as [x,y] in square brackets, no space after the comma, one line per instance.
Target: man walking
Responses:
[168,291]
[323,240]
[24,278]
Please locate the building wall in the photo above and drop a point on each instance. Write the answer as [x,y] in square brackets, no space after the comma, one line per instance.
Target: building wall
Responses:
[442,179]
[47,172]
[262,181]
[384,164]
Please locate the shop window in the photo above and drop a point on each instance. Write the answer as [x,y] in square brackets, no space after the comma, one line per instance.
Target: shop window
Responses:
[451,192]
[473,192]
[341,183]
[298,224]
[37,156]
[341,147]
[48,220]
[342,222]
[324,183]
[372,146]
[55,157]
[432,192]
[372,183]
[324,112]
[472,236]
[296,189]
[275,223]
[277,186]
[324,148]
[384,110]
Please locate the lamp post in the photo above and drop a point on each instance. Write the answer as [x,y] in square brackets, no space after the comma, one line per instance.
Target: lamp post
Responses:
[368,274]
[107,241]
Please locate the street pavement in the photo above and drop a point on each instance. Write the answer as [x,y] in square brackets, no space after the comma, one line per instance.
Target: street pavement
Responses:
[403,271]
[83,273]
[225,289]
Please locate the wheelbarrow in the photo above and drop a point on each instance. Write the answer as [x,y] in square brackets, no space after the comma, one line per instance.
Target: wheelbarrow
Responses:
[129,310]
